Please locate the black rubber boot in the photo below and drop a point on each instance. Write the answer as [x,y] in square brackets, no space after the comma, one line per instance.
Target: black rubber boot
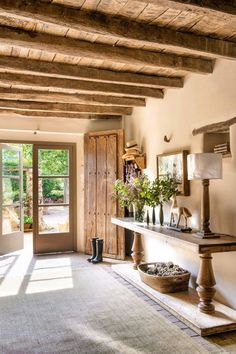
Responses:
[94,249]
[98,258]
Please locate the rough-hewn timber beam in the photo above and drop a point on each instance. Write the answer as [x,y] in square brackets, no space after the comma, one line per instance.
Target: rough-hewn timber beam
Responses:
[100,24]
[29,95]
[69,108]
[199,5]
[83,49]
[79,85]
[84,73]
[215,127]
[41,114]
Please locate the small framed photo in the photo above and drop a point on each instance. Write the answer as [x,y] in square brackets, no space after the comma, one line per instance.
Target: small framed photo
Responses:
[175,165]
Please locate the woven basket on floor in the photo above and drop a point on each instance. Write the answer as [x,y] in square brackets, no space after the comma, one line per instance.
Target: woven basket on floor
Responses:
[166,284]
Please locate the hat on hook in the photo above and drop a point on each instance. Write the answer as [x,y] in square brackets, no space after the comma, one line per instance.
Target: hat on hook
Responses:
[132,147]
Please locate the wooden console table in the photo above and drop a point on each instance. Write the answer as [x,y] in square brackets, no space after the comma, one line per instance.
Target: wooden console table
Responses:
[204,247]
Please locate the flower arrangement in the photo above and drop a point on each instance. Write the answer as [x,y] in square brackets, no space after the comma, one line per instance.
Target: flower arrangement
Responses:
[140,191]
[136,192]
[168,186]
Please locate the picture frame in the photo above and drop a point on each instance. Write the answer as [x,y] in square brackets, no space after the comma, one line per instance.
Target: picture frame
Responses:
[175,165]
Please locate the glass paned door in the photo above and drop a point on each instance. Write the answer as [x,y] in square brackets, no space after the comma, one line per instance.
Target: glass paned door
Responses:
[53,198]
[11,199]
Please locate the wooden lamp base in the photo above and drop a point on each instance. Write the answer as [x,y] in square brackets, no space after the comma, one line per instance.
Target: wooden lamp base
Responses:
[205,229]
[202,234]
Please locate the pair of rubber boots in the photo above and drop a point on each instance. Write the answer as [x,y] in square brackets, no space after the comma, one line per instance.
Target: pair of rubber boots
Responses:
[97,247]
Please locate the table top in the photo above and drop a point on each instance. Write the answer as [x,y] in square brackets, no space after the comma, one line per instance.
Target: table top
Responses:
[225,243]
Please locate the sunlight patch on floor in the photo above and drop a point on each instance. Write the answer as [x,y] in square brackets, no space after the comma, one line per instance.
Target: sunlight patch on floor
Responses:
[56,261]
[21,272]
[5,264]
[52,284]
[50,275]
[11,283]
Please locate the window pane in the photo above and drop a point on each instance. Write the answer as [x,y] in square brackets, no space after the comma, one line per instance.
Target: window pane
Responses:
[11,190]
[53,190]
[53,219]
[53,162]
[10,162]
[10,219]
[11,172]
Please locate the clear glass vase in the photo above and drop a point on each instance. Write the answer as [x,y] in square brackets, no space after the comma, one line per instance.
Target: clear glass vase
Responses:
[138,213]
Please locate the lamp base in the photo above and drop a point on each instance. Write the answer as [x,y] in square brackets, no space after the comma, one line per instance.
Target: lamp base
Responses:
[203,234]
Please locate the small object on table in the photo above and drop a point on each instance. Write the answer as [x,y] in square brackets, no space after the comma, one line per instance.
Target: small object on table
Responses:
[180,229]
[177,212]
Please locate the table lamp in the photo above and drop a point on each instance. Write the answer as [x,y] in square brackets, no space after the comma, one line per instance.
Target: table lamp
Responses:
[205,166]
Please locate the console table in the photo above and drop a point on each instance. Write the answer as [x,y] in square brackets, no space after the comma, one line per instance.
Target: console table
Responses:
[204,247]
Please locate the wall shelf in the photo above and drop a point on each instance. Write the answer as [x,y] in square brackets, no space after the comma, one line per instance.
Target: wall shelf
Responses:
[218,143]
[216,134]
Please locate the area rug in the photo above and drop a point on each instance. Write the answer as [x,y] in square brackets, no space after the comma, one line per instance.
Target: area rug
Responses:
[85,310]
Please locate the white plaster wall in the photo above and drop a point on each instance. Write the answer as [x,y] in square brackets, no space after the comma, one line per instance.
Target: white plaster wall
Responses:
[205,99]
[58,130]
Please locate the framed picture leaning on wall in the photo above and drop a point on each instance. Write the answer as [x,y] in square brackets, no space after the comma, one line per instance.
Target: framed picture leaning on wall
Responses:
[175,164]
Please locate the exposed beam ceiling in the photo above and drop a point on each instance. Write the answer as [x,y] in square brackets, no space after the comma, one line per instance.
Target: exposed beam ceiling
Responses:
[119,29]
[82,49]
[59,61]
[46,96]
[84,73]
[78,108]
[79,85]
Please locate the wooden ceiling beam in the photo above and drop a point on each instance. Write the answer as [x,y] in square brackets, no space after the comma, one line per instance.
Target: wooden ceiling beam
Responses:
[79,85]
[85,73]
[82,49]
[41,114]
[225,6]
[46,96]
[120,29]
[68,108]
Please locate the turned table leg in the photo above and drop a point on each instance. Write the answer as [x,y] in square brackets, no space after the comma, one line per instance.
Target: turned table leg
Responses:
[137,249]
[206,282]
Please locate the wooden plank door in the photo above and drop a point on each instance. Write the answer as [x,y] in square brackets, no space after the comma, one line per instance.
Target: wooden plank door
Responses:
[103,165]
[101,186]
[111,244]
[90,189]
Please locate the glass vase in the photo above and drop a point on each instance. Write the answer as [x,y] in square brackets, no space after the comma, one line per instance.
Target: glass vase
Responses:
[139,213]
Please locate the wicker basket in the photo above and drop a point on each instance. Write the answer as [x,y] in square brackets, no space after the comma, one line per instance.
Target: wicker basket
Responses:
[168,284]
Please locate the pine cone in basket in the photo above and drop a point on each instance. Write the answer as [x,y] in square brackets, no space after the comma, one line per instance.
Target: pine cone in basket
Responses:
[165,269]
